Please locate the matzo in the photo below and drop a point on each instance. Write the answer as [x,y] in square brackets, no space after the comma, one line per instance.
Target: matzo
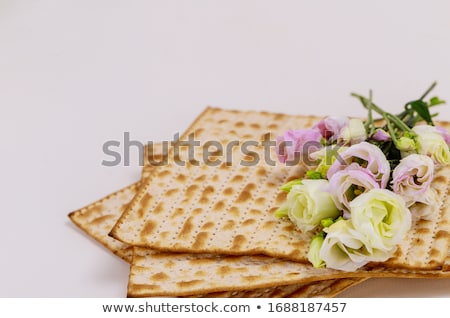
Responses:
[229,209]
[155,274]
[97,218]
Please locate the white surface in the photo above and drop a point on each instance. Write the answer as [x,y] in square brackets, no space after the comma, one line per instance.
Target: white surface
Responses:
[74,74]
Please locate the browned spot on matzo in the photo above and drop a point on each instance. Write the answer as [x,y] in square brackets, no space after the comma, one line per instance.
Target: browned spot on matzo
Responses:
[187,228]
[434,252]
[191,190]
[250,278]
[228,191]
[160,276]
[208,226]
[269,224]
[281,197]
[237,179]
[255,212]
[200,240]
[215,178]
[201,178]
[159,208]
[197,211]
[163,173]
[101,220]
[442,234]
[246,193]
[229,224]
[423,230]
[248,222]
[219,206]
[238,242]
[224,270]
[144,204]
[261,171]
[260,201]
[148,229]
[172,192]
[181,177]
[177,213]
[234,211]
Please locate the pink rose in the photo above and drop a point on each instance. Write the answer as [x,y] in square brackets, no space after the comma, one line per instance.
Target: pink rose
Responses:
[298,144]
[347,184]
[367,156]
[331,126]
[412,177]
[381,135]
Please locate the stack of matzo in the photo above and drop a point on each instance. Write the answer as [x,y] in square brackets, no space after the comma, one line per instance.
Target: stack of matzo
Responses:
[209,229]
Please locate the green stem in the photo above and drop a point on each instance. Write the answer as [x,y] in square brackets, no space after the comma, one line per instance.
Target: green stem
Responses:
[408,109]
[369,124]
[385,115]
[428,90]
[365,102]
[400,124]
[390,128]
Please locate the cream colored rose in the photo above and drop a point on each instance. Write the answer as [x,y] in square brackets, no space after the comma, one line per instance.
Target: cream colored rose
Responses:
[431,143]
[353,133]
[382,217]
[344,248]
[308,203]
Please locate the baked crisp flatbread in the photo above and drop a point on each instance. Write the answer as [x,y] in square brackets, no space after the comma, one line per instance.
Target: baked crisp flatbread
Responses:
[228,208]
[98,218]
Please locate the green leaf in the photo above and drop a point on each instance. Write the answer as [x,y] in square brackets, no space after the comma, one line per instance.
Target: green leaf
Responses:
[422,109]
[436,101]
[288,186]
[315,175]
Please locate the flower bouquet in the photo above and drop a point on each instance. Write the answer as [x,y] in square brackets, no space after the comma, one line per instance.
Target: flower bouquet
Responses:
[366,180]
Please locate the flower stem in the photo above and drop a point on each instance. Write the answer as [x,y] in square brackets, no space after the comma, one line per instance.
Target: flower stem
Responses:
[369,124]
[428,91]
[400,124]
[387,116]
[390,128]
[408,109]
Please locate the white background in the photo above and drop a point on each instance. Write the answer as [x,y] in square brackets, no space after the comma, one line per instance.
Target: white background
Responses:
[74,74]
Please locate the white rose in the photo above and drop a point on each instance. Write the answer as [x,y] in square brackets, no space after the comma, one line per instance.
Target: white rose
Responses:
[382,217]
[431,143]
[353,133]
[308,203]
[345,248]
